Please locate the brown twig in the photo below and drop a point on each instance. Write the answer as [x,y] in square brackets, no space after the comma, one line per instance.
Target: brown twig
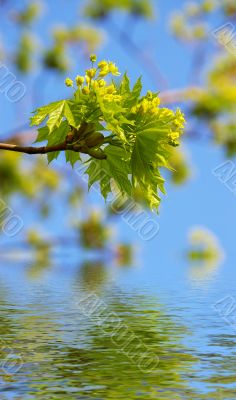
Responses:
[58,147]
[33,150]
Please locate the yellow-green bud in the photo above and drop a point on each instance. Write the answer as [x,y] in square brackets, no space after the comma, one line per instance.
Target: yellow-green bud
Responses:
[95,139]
[102,83]
[85,90]
[91,72]
[69,82]
[110,89]
[94,84]
[113,69]
[102,64]
[93,58]
[79,80]
[173,135]
[104,71]
[117,97]
[156,102]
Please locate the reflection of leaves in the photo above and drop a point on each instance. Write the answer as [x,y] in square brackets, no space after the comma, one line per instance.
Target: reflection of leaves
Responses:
[140,327]
[42,254]
[40,264]
[59,336]
[205,253]
[92,275]
[204,246]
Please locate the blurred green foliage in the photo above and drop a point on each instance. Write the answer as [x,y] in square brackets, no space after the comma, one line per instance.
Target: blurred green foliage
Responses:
[101,8]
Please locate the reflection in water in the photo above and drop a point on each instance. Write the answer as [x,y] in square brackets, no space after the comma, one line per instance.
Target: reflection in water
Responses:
[66,355]
[42,262]
[205,254]
[93,275]
[203,272]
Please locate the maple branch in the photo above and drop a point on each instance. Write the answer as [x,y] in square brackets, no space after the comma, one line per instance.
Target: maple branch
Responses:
[31,149]
[49,149]
[167,97]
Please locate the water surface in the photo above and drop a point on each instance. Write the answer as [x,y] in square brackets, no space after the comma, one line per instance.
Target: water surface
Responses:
[52,348]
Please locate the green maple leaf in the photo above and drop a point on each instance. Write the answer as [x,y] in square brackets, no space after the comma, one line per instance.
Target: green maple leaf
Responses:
[58,136]
[131,97]
[72,157]
[98,171]
[116,167]
[149,153]
[119,166]
[124,87]
[73,113]
[53,111]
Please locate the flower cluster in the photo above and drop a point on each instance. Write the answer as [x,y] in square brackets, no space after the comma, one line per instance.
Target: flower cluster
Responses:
[148,104]
[93,81]
[177,126]
[175,121]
